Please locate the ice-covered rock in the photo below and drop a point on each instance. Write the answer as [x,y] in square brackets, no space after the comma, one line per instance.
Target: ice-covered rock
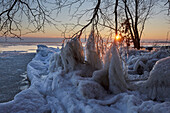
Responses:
[160,54]
[158,84]
[42,49]
[39,65]
[137,77]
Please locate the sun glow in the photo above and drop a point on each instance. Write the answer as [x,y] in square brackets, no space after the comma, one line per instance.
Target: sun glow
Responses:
[118,37]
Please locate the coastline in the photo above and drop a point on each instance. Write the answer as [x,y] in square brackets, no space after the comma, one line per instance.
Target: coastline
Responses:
[13,74]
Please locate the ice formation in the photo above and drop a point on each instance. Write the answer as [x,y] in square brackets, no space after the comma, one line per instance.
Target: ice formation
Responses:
[157,86]
[101,76]
[53,90]
[91,90]
[141,63]
[116,77]
[72,55]
[55,62]
[112,76]
[92,53]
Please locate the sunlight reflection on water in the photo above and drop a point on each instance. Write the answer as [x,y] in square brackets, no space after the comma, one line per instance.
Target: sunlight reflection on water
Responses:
[25,47]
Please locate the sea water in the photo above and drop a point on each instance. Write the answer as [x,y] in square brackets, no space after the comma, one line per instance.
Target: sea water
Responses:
[28,45]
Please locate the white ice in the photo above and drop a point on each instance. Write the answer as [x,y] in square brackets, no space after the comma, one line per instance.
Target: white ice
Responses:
[54,91]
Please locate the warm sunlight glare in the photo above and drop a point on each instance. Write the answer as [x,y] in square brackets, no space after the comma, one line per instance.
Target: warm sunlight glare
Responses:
[118,37]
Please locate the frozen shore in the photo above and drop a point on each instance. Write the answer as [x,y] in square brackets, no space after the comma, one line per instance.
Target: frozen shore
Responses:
[54,91]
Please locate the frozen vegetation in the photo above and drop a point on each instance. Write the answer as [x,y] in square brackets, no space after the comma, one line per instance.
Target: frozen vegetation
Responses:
[63,82]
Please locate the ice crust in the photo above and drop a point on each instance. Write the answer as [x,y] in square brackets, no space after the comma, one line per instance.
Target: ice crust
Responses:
[158,84]
[140,63]
[53,90]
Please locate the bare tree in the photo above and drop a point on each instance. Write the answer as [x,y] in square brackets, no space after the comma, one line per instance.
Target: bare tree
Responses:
[116,23]
[168,3]
[101,15]
[31,14]
[136,13]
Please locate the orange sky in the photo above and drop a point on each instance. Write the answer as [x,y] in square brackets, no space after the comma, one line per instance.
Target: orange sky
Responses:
[156,28]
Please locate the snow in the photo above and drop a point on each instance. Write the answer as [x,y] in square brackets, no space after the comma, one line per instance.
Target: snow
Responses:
[54,90]
[158,84]
[29,100]
[91,90]
[141,62]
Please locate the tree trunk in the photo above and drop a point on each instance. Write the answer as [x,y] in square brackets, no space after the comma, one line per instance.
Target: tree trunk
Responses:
[116,24]
[136,43]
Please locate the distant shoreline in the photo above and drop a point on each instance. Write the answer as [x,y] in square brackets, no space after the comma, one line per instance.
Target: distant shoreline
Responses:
[154,41]
[59,40]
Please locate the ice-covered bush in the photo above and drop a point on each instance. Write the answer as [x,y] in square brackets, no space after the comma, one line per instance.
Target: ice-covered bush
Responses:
[92,52]
[141,62]
[158,84]
[101,76]
[116,77]
[55,62]
[72,55]
[112,76]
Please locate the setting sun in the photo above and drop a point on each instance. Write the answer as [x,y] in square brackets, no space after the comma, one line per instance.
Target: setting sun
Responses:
[118,37]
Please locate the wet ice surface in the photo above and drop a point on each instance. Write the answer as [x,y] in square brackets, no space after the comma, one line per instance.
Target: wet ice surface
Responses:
[13,76]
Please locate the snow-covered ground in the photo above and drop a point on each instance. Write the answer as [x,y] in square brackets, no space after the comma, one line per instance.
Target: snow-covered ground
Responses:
[53,90]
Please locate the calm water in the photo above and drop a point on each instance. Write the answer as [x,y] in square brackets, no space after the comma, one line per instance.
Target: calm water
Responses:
[25,47]
[29,45]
